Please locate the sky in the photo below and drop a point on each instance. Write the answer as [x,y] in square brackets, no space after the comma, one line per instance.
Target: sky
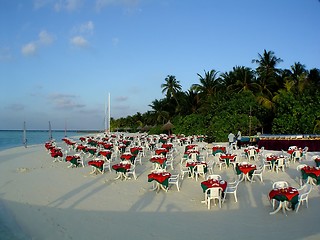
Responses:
[60,59]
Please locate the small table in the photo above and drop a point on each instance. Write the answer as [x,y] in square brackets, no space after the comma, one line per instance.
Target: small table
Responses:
[228,158]
[218,149]
[161,179]
[246,170]
[284,196]
[73,159]
[97,166]
[191,166]
[273,160]
[105,153]
[128,156]
[211,183]
[121,169]
[162,151]
[313,173]
[159,160]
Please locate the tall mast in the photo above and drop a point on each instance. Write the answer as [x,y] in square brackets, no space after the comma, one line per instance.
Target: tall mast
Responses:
[109,113]
[24,134]
[50,132]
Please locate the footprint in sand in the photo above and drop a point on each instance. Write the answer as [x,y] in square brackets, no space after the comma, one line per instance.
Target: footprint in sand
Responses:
[23,170]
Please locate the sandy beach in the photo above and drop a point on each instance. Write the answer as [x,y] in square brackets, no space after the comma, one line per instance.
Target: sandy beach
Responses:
[42,199]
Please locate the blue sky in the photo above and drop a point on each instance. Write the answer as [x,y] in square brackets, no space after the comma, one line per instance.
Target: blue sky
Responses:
[59,59]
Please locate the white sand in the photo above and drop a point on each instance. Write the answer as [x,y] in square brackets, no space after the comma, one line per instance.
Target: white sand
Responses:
[42,199]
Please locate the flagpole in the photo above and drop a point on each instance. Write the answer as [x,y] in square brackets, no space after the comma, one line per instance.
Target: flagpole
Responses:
[24,134]
[109,113]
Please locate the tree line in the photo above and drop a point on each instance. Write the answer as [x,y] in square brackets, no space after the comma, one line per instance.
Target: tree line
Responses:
[266,99]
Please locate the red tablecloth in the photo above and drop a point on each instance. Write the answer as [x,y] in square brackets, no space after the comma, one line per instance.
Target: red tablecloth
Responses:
[105,153]
[158,159]
[159,177]
[161,151]
[96,163]
[313,170]
[246,168]
[121,167]
[213,183]
[289,193]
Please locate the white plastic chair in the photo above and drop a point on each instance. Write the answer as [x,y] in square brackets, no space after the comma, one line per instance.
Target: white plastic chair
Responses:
[257,173]
[214,177]
[231,189]
[106,165]
[280,164]
[184,170]
[131,172]
[210,166]
[199,171]
[280,184]
[174,180]
[213,194]
[304,192]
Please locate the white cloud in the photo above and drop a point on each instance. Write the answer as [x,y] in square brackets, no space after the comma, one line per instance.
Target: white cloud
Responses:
[69,5]
[87,27]
[45,38]
[40,3]
[64,101]
[16,107]
[100,4]
[29,49]
[79,41]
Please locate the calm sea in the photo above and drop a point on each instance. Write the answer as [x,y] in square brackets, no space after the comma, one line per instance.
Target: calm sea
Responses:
[14,138]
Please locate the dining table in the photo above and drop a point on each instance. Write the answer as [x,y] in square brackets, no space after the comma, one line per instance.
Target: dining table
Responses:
[73,159]
[210,183]
[246,170]
[191,165]
[121,169]
[273,159]
[105,153]
[160,178]
[159,161]
[162,151]
[218,149]
[313,173]
[128,156]
[286,197]
[135,150]
[228,158]
[96,165]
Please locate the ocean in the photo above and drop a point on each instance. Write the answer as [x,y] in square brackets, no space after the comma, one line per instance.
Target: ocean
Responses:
[14,138]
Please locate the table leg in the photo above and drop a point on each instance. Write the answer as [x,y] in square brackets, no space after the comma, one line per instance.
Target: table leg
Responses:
[93,170]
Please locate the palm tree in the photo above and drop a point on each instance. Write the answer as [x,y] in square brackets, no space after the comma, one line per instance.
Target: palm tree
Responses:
[159,112]
[241,79]
[209,83]
[171,86]
[267,72]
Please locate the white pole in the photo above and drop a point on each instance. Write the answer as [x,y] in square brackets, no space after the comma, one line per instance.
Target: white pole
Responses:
[109,113]
[105,117]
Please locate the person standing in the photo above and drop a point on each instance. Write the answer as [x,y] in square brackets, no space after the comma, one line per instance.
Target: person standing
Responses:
[231,138]
[239,139]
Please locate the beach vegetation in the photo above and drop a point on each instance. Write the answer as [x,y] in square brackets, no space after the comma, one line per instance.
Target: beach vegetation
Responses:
[266,99]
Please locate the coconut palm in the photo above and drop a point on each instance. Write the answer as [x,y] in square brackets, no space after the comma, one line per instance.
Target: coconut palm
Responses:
[209,83]
[242,80]
[171,86]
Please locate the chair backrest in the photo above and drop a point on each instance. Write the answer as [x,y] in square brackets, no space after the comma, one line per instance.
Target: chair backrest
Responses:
[280,162]
[199,168]
[301,166]
[280,184]
[214,192]
[296,154]
[214,176]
